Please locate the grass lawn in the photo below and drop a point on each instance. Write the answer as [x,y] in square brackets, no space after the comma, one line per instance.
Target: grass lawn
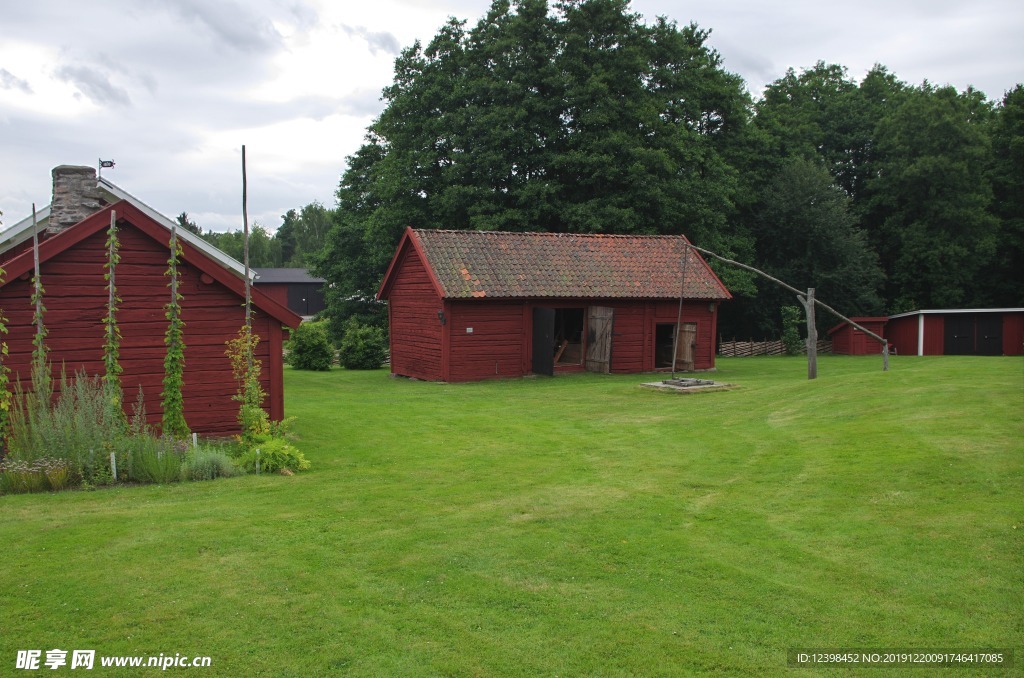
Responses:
[578,525]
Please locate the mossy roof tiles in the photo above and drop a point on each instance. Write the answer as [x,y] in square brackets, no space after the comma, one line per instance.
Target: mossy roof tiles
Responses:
[475,264]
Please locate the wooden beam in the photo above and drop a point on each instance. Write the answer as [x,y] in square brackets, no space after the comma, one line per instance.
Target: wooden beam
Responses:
[800,294]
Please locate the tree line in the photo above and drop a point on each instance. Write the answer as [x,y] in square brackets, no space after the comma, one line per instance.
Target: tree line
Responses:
[301,235]
[579,116]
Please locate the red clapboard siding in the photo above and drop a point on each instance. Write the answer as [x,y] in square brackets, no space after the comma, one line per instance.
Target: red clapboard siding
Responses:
[75,300]
[494,348]
[1013,334]
[276,291]
[693,312]
[415,327]
[628,339]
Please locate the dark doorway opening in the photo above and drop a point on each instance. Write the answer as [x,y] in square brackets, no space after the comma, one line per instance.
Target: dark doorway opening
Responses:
[664,334]
[568,347]
[543,339]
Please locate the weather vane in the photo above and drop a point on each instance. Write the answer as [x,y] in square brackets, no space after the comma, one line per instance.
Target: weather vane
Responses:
[109,164]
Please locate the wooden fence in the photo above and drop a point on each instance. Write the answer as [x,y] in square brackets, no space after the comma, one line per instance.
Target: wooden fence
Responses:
[745,349]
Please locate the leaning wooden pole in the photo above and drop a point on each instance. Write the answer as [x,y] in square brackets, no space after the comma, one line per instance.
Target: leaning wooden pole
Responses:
[679,316]
[799,293]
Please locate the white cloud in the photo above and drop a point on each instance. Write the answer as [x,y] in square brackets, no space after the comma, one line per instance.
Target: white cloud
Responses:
[171,89]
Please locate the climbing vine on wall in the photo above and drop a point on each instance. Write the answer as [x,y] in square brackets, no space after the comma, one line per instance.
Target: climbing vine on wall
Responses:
[112,332]
[174,424]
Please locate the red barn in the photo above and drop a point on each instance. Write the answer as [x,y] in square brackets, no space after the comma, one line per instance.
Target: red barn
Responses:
[848,340]
[470,305]
[991,331]
[72,271]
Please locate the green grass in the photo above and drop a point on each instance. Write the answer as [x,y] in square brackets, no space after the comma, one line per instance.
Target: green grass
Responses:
[571,526]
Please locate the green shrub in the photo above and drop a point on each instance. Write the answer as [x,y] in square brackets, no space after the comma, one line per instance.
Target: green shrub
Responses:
[272,455]
[363,347]
[791,319]
[80,427]
[155,460]
[311,348]
[204,463]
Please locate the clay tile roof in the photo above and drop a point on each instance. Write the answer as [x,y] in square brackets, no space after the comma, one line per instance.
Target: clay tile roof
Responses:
[470,264]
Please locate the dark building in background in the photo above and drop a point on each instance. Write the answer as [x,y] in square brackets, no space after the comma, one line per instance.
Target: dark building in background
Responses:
[295,288]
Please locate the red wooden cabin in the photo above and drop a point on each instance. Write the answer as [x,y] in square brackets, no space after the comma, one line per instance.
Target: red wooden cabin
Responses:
[848,340]
[470,305]
[72,273]
[994,331]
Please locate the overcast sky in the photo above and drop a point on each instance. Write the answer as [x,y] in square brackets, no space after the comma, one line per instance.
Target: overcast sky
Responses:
[171,89]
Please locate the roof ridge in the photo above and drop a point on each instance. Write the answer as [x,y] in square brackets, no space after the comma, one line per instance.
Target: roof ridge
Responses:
[549,233]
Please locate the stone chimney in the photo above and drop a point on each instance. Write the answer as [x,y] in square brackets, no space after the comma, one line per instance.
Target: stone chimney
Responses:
[75,196]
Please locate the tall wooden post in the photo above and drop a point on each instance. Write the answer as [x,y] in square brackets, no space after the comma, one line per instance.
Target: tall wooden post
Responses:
[35,275]
[679,317]
[245,255]
[812,334]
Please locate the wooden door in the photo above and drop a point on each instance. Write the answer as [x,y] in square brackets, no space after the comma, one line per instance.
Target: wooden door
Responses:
[959,334]
[686,344]
[600,320]
[990,334]
[543,358]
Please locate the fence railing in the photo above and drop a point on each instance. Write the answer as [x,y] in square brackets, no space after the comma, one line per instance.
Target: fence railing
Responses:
[745,349]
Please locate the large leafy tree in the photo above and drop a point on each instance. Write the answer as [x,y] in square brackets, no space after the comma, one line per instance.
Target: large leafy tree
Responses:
[1008,187]
[822,113]
[264,248]
[807,235]
[929,201]
[303,233]
[576,118]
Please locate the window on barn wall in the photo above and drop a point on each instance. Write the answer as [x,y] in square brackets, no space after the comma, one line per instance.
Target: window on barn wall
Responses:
[569,336]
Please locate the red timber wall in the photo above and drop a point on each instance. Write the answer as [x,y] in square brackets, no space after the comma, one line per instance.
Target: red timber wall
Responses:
[415,328]
[902,333]
[626,335]
[276,291]
[1013,334]
[848,340]
[500,344]
[75,300]
[841,340]
[497,345]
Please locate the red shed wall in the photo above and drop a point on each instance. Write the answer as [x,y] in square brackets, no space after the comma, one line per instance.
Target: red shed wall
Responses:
[630,327]
[276,291]
[841,340]
[1013,334]
[495,347]
[660,312]
[848,340]
[934,334]
[415,329]
[75,300]
[865,345]
[902,334]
